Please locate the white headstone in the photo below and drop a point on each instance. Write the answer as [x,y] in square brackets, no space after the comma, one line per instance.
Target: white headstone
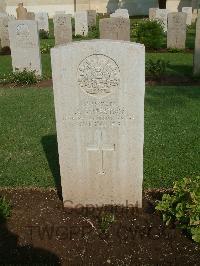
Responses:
[24,43]
[81,23]
[3,6]
[197,49]
[43,21]
[92,18]
[188,11]
[120,13]
[161,15]
[4,36]
[152,13]
[176,32]
[62,29]
[99,105]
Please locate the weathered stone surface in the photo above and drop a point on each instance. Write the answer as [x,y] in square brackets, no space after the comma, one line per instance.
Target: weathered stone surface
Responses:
[115,29]
[3,6]
[161,15]
[24,43]
[21,12]
[30,15]
[120,13]
[43,21]
[152,13]
[62,29]
[4,36]
[197,49]
[81,23]
[188,11]
[176,33]
[92,18]
[99,105]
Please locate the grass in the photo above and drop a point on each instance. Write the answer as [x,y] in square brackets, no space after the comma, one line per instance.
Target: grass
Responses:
[28,136]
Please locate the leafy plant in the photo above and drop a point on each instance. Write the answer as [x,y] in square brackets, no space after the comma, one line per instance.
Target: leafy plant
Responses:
[5,208]
[45,48]
[106,220]
[183,206]
[157,68]
[175,50]
[24,77]
[150,33]
[44,34]
[93,33]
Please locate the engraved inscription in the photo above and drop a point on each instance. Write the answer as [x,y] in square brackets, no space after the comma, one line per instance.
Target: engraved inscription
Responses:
[24,37]
[98,75]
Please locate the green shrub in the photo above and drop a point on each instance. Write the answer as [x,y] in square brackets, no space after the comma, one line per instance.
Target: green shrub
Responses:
[183,206]
[24,77]
[93,33]
[44,34]
[156,69]
[5,208]
[175,50]
[150,33]
[45,48]
[106,220]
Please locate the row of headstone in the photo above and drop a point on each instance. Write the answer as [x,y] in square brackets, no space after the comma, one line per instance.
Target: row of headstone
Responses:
[120,13]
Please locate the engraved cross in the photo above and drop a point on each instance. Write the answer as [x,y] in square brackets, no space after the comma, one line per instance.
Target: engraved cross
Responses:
[100,146]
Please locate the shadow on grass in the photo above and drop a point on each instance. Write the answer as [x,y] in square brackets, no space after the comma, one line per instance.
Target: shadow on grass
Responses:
[181,70]
[50,148]
[13,254]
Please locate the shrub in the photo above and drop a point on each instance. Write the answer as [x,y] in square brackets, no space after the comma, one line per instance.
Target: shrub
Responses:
[157,69]
[175,50]
[24,77]
[93,33]
[183,206]
[45,48]
[44,34]
[150,33]
[5,208]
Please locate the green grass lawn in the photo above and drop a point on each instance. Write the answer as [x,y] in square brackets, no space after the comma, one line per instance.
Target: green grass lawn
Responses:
[28,136]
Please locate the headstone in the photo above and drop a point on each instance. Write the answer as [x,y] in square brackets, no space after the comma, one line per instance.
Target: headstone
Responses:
[21,12]
[81,23]
[92,18]
[3,6]
[31,16]
[188,11]
[115,29]
[161,15]
[24,43]
[152,13]
[197,49]
[62,29]
[99,105]
[43,21]
[194,15]
[4,36]
[176,32]
[120,13]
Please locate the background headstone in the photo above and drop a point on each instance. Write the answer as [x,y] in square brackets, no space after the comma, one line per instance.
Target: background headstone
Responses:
[24,44]
[120,13]
[115,29]
[99,105]
[81,23]
[188,11]
[43,21]
[3,6]
[59,12]
[4,35]
[21,12]
[30,15]
[92,18]
[161,15]
[62,29]
[152,13]
[197,49]
[176,32]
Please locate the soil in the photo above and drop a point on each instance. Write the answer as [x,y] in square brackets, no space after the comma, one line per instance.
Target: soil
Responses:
[40,231]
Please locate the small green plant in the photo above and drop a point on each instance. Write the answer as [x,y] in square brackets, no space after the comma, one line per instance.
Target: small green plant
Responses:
[5,208]
[150,33]
[45,48]
[175,50]
[106,220]
[157,69]
[44,34]
[93,33]
[24,77]
[183,206]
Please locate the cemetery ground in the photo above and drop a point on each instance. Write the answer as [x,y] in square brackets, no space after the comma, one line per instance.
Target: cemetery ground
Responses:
[39,230]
